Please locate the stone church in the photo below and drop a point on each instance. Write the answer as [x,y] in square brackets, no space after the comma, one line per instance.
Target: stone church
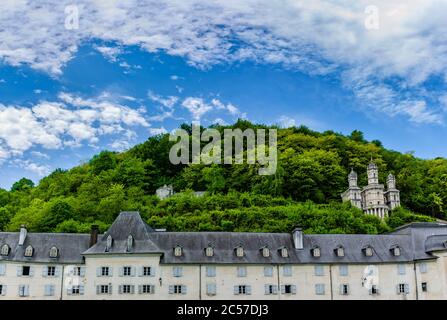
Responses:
[373,198]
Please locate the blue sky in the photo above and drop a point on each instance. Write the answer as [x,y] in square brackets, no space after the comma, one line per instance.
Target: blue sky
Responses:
[128,73]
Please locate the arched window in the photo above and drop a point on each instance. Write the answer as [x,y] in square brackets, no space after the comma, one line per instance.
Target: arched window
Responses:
[265,252]
[395,250]
[54,252]
[316,252]
[209,251]
[368,251]
[239,251]
[129,243]
[340,251]
[178,251]
[29,251]
[109,243]
[5,250]
[284,252]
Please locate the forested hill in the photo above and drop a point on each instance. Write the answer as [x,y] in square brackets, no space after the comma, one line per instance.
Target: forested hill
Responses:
[312,172]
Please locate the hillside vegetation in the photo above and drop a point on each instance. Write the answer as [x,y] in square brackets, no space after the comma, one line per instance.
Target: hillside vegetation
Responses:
[312,172]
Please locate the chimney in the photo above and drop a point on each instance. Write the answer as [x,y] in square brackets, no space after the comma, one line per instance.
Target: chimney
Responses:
[94,235]
[22,235]
[297,234]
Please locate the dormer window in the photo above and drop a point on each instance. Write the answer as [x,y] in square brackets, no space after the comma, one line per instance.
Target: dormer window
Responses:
[129,243]
[109,243]
[54,252]
[5,250]
[368,251]
[239,251]
[29,251]
[284,252]
[178,251]
[316,252]
[265,252]
[396,251]
[340,251]
[209,251]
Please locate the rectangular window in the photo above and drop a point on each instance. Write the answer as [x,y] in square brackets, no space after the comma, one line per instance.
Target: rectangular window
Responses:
[287,271]
[49,290]
[23,290]
[242,289]
[2,269]
[104,289]
[403,288]
[77,271]
[147,271]
[319,270]
[288,289]
[343,270]
[26,270]
[241,271]
[374,290]
[344,289]
[210,271]
[177,289]
[126,289]
[319,289]
[423,267]
[177,271]
[211,289]
[401,269]
[147,289]
[51,271]
[1,290]
[424,286]
[268,271]
[75,290]
[127,271]
[271,289]
[105,271]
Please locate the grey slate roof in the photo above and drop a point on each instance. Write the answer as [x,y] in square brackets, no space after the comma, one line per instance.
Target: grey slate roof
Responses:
[416,241]
[70,247]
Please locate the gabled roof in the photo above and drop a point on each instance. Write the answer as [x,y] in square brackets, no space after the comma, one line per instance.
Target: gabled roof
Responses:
[126,224]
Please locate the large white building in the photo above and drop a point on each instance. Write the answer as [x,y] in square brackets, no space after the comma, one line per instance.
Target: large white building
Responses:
[373,199]
[133,261]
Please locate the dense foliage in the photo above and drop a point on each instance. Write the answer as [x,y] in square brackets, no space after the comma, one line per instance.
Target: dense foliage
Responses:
[312,172]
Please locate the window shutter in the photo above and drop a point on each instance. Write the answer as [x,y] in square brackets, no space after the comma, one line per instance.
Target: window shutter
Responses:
[266,289]
[141,271]
[81,290]
[69,291]
[4,290]
[57,271]
[140,288]
[31,271]
[98,271]
[110,288]
[236,290]
[19,271]
[98,289]
[407,288]
[44,271]
[2,269]
[293,289]
[283,289]
[183,289]
[152,272]
[26,290]
[275,289]
[82,272]
[171,289]
[120,289]
[152,288]
[397,289]
[121,271]
[133,271]
[341,289]
[110,271]
[47,290]
[132,289]
[248,289]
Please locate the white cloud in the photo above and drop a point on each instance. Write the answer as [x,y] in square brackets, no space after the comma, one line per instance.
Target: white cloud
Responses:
[316,37]
[286,122]
[197,107]
[38,154]
[71,121]
[40,170]
[168,102]
[110,53]
[155,131]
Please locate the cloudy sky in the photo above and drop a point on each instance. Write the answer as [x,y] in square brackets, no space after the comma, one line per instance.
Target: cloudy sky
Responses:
[77,77]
